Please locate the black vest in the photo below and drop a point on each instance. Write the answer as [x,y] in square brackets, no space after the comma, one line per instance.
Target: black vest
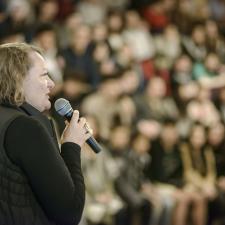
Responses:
[18,205]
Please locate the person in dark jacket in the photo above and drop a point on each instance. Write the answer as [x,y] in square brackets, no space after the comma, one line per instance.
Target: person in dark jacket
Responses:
[40,184]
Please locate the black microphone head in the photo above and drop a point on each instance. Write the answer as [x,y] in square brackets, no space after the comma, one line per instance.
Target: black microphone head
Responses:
[62,106]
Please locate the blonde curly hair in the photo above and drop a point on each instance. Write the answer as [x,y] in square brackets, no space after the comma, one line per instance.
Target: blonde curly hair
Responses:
[14,65]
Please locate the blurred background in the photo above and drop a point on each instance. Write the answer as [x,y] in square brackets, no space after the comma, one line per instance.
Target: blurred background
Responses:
[149,76]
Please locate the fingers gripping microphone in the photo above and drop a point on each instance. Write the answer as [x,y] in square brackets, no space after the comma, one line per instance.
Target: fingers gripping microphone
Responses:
[63,107]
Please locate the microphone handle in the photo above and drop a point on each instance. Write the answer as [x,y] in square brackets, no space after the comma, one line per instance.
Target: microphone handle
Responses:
[95,146]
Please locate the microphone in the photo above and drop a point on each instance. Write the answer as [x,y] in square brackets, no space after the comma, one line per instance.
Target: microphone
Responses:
[63,108]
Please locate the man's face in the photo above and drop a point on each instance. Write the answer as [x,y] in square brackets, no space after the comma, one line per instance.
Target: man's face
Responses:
[37,84]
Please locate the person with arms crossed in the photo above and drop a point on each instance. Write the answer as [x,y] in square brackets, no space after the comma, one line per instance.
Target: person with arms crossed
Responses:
[40,184]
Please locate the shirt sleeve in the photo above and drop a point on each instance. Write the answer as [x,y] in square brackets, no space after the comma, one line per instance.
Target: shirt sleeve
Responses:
[55,178]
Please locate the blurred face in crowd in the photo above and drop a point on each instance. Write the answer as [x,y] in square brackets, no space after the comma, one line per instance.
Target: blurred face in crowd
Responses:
[211,29]
[198,35]
[150,128]
[188,91]
[101,52]
[47,40]
[125,56]
[73,88]
[19,10]
[194,110]
[197,136]
[127,108]
[73,21]
[129,82]
[81,38]
[48,10]
[156,87]
[37,84]
[169,134]
[183,64]
[216,134]
[111,89]
[141,144]
[107,68]
[120,138]
[171,33]
[100,33]
[132,19]
[212,62]
[115,22]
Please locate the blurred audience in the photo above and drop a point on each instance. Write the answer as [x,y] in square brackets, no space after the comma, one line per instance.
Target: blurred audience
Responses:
[150,74]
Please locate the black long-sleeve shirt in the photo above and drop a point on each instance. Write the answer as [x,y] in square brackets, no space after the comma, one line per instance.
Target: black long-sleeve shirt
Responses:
[55,178]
